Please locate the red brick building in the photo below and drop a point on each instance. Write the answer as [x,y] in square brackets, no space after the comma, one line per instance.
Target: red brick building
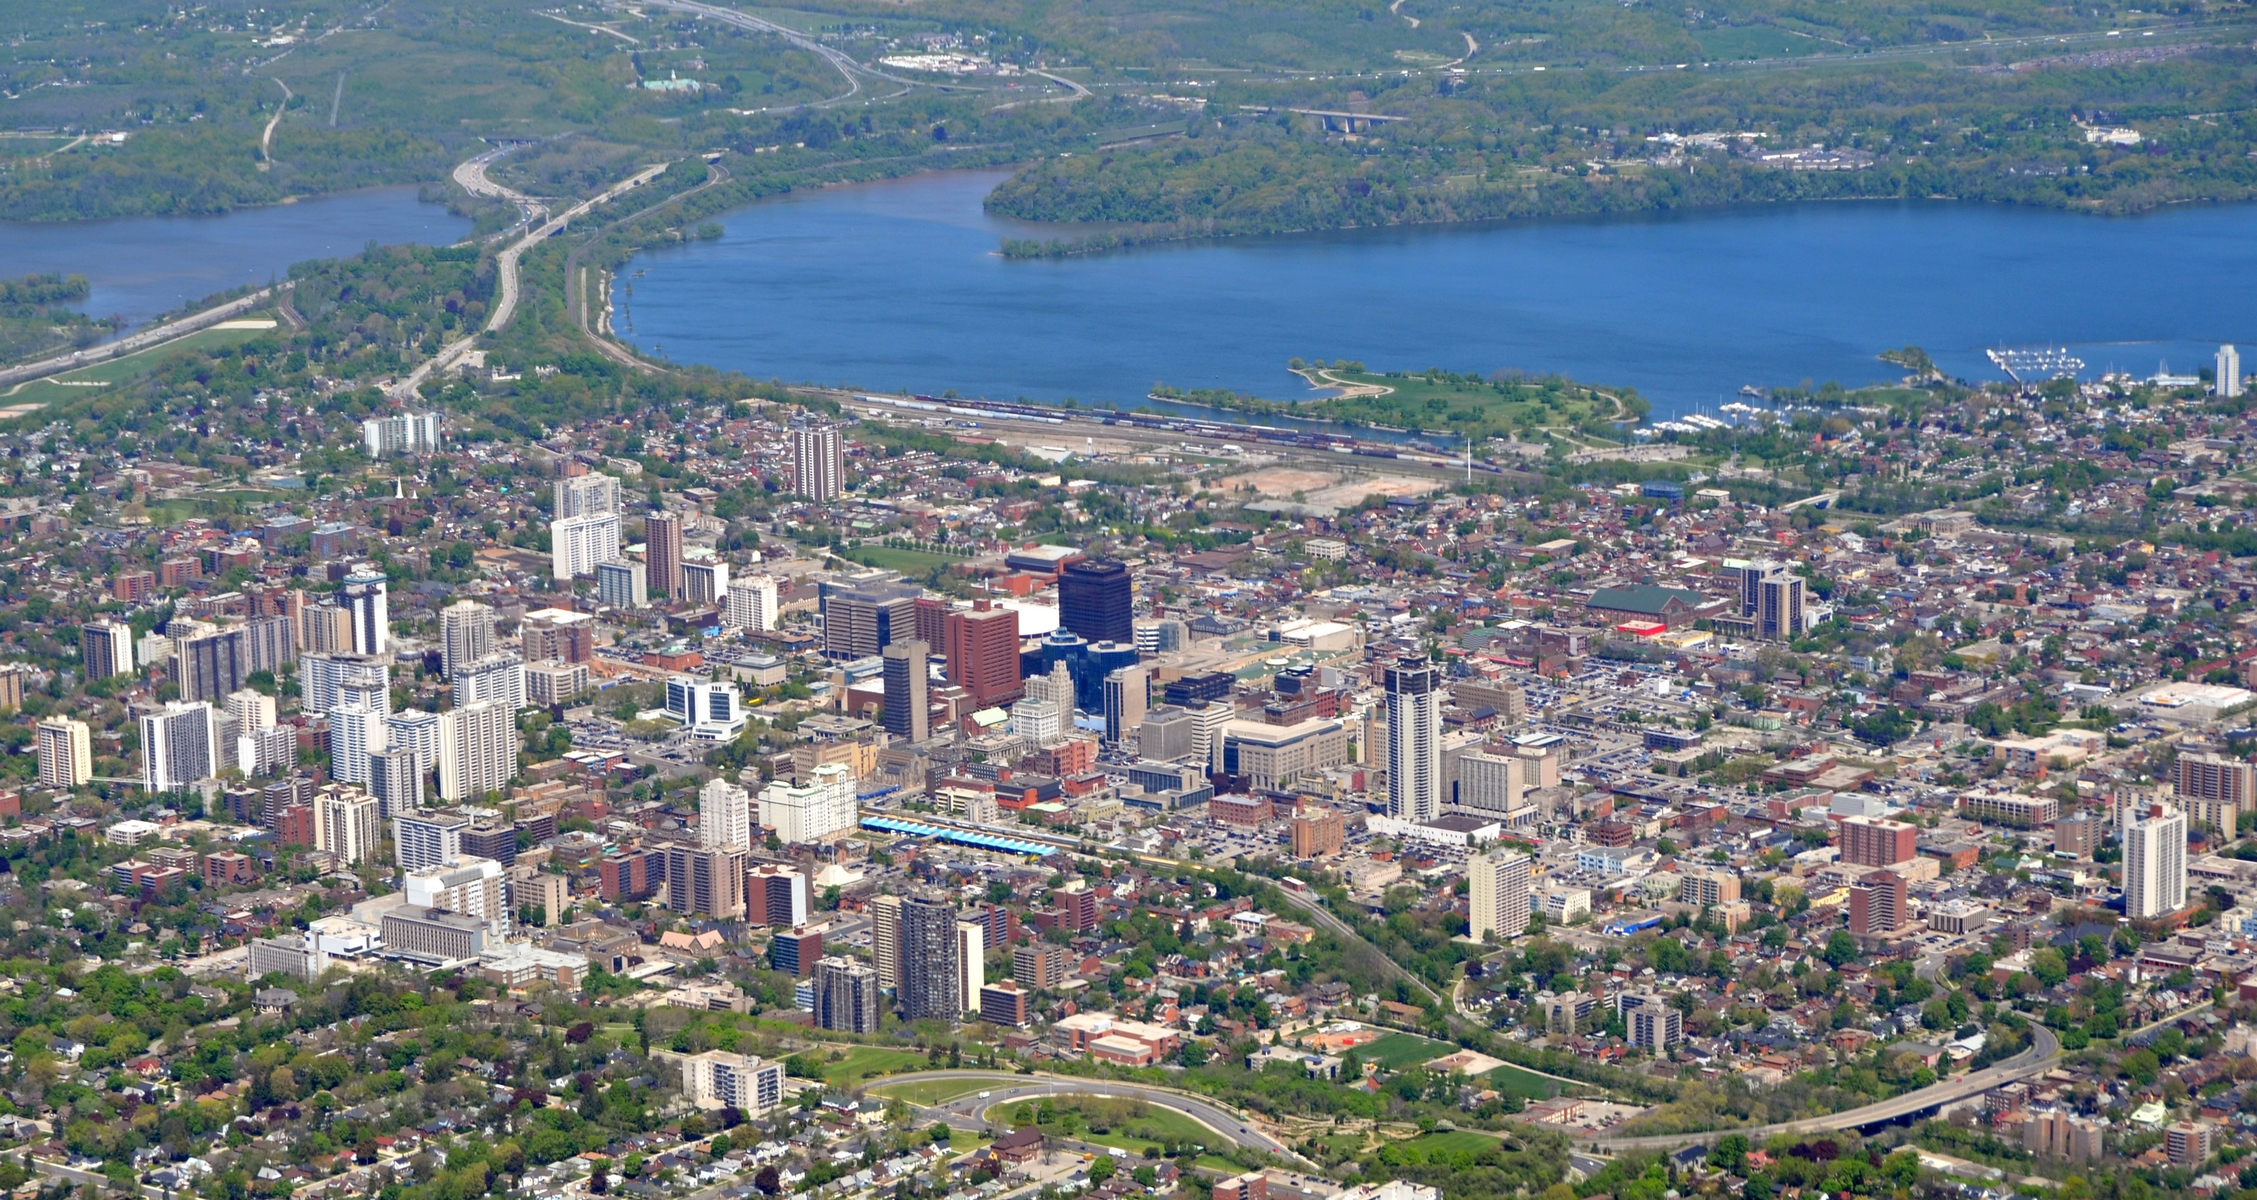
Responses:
[229,867]
[293,826]
[1870,842]
[982,646]
[134,586]
[627,876]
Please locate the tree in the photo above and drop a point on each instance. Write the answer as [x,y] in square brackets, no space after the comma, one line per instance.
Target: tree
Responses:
[1729,1153]
[1841,948]
[1102,1169]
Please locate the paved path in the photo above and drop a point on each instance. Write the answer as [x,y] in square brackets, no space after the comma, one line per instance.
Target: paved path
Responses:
[969,1112]
[580,303]
[266,140]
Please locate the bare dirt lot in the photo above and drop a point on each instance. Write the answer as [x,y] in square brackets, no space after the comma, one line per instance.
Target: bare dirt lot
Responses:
[1338,489]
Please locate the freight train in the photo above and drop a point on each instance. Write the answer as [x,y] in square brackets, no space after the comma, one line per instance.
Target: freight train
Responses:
[1269,435]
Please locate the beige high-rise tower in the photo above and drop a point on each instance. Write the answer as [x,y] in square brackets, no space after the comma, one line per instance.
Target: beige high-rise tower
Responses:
[885,939]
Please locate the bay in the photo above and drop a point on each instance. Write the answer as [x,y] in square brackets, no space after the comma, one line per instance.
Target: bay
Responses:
[142,266]
[897,286]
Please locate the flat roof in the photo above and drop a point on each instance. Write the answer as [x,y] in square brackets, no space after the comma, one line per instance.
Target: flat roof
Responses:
[983,841]
[1049,554]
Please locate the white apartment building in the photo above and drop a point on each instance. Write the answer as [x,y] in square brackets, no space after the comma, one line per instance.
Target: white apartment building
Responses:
[577,544]
[477,750]
[820,810]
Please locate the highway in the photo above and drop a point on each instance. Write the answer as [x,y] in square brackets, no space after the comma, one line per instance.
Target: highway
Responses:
[969,1112]
[2044,1050]
[578,299]
[471,175]
[505,301]
[266,140]
[2036,1060]
[133,343]
[839,59]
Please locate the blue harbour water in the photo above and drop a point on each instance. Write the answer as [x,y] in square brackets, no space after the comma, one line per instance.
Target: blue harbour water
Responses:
[142,266]
[897,286]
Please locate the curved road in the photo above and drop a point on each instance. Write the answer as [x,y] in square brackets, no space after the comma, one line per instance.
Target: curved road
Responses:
[505,300]
[1011,1087]
[838,59]
[2036,1060]
[266,140]
[471,175]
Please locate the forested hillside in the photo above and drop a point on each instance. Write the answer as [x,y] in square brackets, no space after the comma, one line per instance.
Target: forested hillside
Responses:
[1168,118]
[1593,141]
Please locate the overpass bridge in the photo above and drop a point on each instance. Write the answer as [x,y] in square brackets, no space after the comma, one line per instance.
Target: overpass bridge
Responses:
[2044,1051]
[1335,121]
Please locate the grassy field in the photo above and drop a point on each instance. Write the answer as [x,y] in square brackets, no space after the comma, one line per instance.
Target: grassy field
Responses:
[1344,1143]
[1463,404]
[1080,1116]
[72,385]
[1514,1081]
[930,1091]
[964,1141]
[1398,1050]
[869,1062]
[1430,1146]
[913,563]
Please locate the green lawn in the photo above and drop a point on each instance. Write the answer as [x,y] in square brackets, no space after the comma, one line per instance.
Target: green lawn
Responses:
[86,381]
[1399,1050]
[1429,1147]
[1153,1130]
[964,1141]
[930,1091]
[1514,1081]
[913,563]
[869,1062]
[1465,404]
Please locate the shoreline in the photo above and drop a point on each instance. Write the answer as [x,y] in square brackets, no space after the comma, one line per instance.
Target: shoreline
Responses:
[1150,237]
[950,203]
